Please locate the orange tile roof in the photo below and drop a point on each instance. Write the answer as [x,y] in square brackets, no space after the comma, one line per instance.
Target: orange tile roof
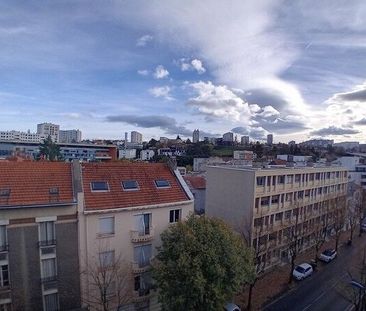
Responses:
[195,182]
[30,183]
[144,173]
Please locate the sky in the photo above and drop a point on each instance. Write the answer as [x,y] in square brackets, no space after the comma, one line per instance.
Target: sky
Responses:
[296,69]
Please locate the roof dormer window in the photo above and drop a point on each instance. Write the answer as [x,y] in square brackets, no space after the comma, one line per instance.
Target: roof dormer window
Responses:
[99,186]
[162,183]
[130,185]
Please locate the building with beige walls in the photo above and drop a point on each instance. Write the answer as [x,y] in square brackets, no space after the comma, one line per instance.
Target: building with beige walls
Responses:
[123,209]
[267,203]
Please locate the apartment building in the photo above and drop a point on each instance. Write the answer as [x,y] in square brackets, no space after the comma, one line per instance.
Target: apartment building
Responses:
[69,136]
[39,268]
[24,136]
[267,204]
[49,129]
[123,209]
[196,136]
[136,137]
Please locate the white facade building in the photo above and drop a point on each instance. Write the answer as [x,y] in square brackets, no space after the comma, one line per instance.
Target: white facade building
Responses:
[136,137]
[196,136]
[146,155]
[269,139]
[228,137]
[69,136]
[49,129]
[127,154]
[24,136]
[245,140]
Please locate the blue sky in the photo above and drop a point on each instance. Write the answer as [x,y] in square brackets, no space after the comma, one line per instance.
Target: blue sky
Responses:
[293,68]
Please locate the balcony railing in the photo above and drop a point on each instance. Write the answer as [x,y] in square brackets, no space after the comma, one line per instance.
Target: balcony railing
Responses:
[147,235]
[140,267]
[4,248]
[46,243]
[49,279]
[141,295]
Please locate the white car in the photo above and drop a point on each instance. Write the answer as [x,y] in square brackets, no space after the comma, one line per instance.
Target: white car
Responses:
[302,271]
[231,307]
[328,255]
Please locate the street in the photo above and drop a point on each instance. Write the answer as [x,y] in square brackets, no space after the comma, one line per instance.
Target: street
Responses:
[319,291]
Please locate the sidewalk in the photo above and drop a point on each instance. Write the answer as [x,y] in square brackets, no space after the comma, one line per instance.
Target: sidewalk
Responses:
[274,284]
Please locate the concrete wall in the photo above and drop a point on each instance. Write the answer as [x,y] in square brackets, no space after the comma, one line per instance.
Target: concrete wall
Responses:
[199,200]
[24,265]
[230,196]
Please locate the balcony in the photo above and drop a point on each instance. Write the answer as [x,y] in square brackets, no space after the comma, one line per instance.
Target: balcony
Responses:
[49,279]
[4,248]
[138,268]
[137,236]
[47,243]
[141,295]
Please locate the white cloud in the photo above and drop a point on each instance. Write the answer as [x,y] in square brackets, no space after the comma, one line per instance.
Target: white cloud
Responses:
[195,64]
[162,91]
[160,72]
[144,40]
[143,72]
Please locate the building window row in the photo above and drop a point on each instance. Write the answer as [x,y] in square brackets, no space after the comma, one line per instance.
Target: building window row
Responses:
[298,178]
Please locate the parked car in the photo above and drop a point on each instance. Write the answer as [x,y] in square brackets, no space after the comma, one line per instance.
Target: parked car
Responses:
[302,271]
[231,307]
[328,255]
[363,227]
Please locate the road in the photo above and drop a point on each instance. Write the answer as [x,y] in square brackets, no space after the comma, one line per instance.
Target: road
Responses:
[319,291]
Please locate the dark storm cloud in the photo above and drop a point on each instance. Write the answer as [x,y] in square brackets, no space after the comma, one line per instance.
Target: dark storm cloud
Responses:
[361,122]
[334,131]
[359,95]
[167,124]
[264,98]
[281,126]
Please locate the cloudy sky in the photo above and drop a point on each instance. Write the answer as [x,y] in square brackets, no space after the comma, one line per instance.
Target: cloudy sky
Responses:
[293,68]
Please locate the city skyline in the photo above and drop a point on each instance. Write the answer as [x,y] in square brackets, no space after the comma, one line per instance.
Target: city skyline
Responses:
[291,69]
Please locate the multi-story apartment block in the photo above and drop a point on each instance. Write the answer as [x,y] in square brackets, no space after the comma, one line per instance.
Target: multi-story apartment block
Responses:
[49,129]
[123,209]
[269,139]
[245,140]
[228,137]
[39,268]
[196,136]
[69,136]
[23,136]
[136,137]
[147,154]
[268,204]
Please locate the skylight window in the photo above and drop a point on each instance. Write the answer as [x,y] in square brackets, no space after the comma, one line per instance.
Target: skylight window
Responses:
[130,185]
[54,190]
[162,183]
[4,192]
[99,186]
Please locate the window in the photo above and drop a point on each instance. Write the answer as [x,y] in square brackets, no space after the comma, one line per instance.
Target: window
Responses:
[281,179]
[51,302]
[47,233]
[258,222]
[106,259]
[130,185]
[297,178]
[3,239]
[162,183]
[275,199]
[106,225]
[99,186]
[142,255]
[264,201]
[278,216]
[174,215]
[48,269]
[4,275]
[143,223]
[260,181]
[289,179]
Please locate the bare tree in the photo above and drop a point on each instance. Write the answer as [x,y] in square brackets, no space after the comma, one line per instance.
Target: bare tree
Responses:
[293,233]
[109,281]
[339,215]
[354,210]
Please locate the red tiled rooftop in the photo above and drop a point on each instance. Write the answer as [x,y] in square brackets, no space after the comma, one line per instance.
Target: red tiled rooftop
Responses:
[30,183]
[144,173]
[195,182]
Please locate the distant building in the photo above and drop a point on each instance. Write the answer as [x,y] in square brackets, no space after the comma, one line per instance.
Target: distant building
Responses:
[24,136]
[127,154]
[196,136]
[348,145]
[69,136]
[245,155]
[292,143]
[318,143]
[146,155]
[164,140]
[197,185]
[228,137]
[245,140]
[49,129]
[136,137]
[269,139]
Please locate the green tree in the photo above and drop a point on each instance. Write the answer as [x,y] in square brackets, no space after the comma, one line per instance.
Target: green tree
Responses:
[201,265]
[49,150]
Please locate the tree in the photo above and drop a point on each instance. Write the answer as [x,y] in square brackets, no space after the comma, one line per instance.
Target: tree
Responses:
[201,264]
[293,234]
[49,150]
[339,215]
[109,281]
